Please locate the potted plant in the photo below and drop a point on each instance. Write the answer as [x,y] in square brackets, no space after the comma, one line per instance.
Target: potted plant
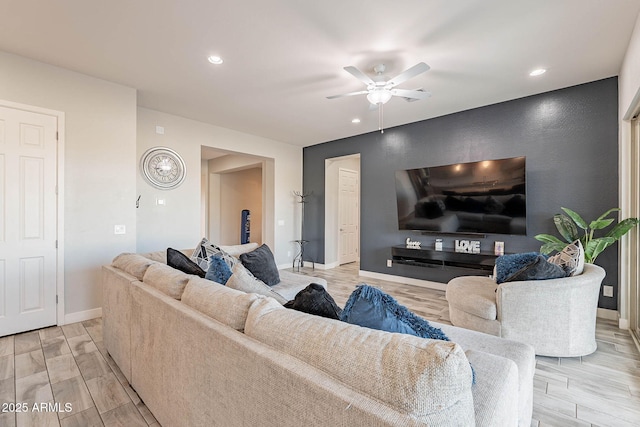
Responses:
[570,225]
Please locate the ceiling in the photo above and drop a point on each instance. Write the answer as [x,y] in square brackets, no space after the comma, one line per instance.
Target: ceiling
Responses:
[282,58]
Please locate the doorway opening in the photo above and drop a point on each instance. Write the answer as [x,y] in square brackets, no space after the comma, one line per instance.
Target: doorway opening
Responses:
[233,182]
[342,210]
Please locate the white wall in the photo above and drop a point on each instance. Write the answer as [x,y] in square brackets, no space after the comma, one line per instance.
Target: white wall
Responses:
[628,99]
[177,224]
[99,166]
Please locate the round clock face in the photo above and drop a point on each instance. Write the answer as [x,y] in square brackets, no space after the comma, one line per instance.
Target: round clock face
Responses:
[163,168]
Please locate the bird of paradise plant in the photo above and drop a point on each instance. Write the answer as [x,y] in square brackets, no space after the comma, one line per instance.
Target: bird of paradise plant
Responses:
[572,227]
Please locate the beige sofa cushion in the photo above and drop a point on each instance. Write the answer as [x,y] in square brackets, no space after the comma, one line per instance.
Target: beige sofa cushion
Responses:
[244,281]
[134,264]
[473,294]
[227,306]
[419,377]
[166,279]
[237,250]
[292,283]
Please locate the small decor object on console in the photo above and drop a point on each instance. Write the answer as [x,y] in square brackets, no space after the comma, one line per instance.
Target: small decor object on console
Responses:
[413,243]
[469,247]
[498,248]
[438,244]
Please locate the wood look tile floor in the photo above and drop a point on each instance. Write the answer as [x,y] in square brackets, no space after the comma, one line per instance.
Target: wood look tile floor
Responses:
[68,370]
[69,364]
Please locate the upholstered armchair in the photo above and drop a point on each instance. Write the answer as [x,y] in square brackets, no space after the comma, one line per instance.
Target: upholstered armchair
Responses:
[557,316]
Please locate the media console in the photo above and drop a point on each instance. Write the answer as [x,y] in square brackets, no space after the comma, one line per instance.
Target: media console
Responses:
[457,262]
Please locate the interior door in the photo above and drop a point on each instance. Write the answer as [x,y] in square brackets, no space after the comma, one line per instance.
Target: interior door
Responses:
[348,215]
[27,220]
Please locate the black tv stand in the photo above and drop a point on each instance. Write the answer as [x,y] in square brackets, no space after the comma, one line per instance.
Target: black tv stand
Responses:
[459,263]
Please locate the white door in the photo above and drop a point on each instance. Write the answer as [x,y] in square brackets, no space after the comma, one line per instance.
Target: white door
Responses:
[348,216]
[27,220]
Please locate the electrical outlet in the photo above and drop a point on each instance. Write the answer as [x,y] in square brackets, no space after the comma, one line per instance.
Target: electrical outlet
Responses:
[389,263]
[607,291]
[119,229]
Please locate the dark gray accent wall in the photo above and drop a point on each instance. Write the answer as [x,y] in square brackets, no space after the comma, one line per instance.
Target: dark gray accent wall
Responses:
[570,139]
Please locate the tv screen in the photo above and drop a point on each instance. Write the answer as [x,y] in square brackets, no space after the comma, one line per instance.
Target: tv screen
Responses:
[487,197]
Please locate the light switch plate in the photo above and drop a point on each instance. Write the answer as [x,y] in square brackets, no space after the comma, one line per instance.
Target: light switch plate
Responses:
[607,291]
[119,229]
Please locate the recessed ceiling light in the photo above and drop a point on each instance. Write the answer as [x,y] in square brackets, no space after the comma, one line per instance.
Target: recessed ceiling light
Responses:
[215,60]
[356,120]
[537,72]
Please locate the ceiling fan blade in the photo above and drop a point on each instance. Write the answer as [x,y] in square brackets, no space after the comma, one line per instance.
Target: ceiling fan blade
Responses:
[361,92]
[413,94]
[419,68]
[359,75]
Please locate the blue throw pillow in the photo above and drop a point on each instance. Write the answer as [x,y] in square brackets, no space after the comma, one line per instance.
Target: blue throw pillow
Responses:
[370,307]
[540,269]
[218,271]
[508,265]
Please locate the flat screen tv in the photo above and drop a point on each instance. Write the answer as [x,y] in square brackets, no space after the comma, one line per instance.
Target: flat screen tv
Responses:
[487,197]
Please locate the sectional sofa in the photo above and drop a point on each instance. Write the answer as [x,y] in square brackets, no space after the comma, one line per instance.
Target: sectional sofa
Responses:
[202,354]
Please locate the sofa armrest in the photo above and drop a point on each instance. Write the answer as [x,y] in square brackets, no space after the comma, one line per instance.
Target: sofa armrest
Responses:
[116,316]
[495,393]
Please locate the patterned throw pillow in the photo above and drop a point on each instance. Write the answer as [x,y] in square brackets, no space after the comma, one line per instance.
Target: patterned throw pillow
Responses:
[218,271]
[205,249]
[571,258]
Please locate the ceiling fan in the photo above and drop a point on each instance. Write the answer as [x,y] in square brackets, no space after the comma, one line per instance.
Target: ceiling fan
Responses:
[381,89]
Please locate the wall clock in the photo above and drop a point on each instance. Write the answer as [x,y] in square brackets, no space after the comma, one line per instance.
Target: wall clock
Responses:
[163,168]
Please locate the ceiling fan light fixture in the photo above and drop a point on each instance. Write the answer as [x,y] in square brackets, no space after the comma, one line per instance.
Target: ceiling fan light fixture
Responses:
[379,97]
[216,60]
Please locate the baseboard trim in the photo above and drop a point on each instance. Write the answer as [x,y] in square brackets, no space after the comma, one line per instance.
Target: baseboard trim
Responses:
[635,340]
[328,266]
[309,264]
[81,316]
[623,324]
[605,313]
[401,279]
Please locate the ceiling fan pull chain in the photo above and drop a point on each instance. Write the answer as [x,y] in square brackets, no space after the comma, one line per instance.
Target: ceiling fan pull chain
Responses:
[380,118]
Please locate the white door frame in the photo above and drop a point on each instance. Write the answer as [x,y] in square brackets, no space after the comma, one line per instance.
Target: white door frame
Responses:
[59,115]
[331,228]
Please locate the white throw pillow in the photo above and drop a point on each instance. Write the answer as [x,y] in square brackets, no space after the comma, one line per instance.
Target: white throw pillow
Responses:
[243,280]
